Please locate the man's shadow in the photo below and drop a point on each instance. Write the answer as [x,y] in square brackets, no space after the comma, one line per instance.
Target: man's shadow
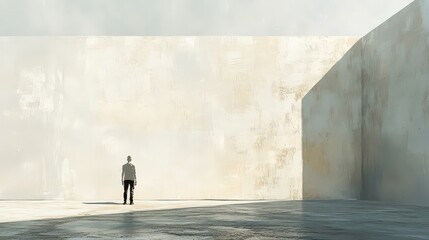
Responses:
[102,203]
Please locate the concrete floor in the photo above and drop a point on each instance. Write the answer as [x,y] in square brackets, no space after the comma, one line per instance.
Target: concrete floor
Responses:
[213,220]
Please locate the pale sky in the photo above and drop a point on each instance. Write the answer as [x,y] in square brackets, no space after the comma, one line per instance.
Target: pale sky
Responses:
[195,17]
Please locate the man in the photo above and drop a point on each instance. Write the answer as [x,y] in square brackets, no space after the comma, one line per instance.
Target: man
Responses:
[128,179]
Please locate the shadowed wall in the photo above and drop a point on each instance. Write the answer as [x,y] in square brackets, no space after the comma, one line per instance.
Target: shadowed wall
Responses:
[365,123]
[331,132]
[395,108]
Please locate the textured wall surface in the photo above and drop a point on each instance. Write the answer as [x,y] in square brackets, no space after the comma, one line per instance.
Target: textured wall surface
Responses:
[202,117]
[331,132]
[396,108]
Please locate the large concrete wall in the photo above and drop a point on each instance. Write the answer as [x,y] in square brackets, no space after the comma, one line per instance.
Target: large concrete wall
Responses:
[331,132]
[395,73]
[203,117]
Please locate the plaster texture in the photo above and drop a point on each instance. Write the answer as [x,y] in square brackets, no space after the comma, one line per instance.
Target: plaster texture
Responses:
[365,123]
[219,117]
[395,128]
[331,132]
[202,117]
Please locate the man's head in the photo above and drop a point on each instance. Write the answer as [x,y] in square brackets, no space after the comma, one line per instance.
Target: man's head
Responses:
[129,159]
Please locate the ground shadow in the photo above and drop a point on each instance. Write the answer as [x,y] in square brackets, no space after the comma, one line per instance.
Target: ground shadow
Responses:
[272,220]
[205,199]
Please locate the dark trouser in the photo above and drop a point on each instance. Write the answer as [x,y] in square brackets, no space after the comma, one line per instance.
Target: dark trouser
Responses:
[131,184]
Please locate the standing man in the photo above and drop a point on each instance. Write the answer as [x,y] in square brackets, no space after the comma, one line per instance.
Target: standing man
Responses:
[128,179]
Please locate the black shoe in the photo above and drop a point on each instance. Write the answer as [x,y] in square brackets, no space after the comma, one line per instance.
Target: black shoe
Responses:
[131,203]
[124,203]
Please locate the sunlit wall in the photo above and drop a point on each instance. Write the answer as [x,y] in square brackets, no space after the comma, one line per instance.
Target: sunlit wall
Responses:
[202,117]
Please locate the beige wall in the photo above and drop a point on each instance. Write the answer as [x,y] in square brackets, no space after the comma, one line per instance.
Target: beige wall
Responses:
[203,117]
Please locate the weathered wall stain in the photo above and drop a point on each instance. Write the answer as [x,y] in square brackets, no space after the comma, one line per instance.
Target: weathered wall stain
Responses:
[219,117]
[203,117]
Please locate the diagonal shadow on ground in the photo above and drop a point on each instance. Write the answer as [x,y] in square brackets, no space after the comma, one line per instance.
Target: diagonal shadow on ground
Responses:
[277,219]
